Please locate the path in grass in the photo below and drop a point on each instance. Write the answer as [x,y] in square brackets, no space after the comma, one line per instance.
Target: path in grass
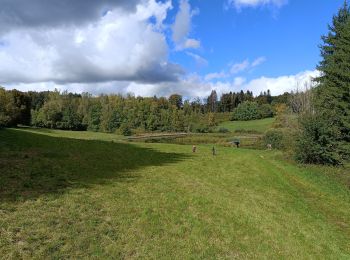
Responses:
[63,198]
[259,126]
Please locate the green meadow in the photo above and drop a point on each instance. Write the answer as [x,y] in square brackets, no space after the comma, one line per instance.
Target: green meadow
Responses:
[258,126]
[92,195]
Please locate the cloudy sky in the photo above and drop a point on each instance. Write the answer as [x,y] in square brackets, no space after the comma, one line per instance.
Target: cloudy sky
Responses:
[150,47]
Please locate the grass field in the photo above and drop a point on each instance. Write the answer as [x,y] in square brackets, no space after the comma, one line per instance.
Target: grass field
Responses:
[219,139]
[92,196]
[258,126]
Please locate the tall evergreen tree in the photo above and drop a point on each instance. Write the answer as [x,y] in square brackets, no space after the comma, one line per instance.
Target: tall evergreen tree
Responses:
[332,98]
[333,94]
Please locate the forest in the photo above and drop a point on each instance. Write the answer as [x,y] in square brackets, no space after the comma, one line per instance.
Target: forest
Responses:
[111,113]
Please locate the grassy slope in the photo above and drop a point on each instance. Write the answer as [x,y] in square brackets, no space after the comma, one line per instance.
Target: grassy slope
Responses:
[63,197]
[255,125]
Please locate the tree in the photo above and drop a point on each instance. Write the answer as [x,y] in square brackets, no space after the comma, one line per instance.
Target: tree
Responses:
[14,108]
[176,100]
[211,120]
[268,97]
[246,111]
[5,100]
[301,101]
[178,120]
[212,101]
[94,117]
[332,96]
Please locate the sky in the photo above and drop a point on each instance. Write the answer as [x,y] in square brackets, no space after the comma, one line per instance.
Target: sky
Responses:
[150,47]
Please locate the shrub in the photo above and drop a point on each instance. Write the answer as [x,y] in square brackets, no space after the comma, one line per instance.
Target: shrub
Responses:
[317,142]
[4,120]
[125,130]
[199,128]
[246,111]
[275,137]
[266,111]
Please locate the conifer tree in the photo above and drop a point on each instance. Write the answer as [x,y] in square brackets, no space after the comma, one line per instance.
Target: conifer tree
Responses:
[332,98]
[333,94]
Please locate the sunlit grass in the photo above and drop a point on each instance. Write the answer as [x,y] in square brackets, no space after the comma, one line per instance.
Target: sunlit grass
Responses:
[259,126]
[74,198]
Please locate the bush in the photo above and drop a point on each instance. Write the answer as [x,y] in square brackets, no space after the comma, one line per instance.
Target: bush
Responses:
[275,137]
[125,130]
[317,142]
[249,110]
[266,111]
[246,111]
[199,128]
[4,120]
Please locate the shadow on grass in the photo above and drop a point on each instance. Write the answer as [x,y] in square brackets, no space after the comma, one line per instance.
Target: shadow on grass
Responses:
[34,164]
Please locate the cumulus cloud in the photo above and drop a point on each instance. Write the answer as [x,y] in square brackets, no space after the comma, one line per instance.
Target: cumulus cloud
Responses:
[238,4]
[101,51]
[110,46]
[190,86]
[196,86]
[182,27]
[44,13]
[281,84]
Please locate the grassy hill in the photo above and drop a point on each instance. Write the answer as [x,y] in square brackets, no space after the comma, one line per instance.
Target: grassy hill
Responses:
[258,126]
[94,196]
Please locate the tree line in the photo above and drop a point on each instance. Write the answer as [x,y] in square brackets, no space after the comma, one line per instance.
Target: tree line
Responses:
[109,113]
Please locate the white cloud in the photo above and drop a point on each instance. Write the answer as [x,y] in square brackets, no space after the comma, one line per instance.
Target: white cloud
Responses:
[200,61]
[194,85]
[40,14]
[246,64]
[281,84]
[191,86]
[239,67]
[277,85]
[258,61]
[120,46]
[192,44]
[215,75]
[239,81]
[238,4]
[155,9]
[182,27]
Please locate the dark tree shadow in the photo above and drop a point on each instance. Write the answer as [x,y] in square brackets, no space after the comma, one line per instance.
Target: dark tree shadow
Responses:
[34,164]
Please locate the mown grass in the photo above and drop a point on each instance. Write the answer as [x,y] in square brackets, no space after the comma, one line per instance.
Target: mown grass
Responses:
[75,198]
[83,135]
[221,139]
[254,126]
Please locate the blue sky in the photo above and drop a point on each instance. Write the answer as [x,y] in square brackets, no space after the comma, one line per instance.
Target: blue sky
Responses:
[288,36]
[151,47]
